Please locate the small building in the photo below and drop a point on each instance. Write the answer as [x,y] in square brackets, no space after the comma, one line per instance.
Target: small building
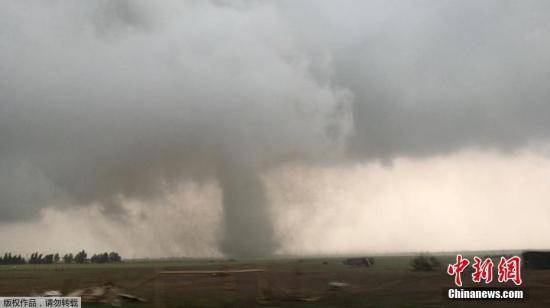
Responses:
[536,259]
[358,262]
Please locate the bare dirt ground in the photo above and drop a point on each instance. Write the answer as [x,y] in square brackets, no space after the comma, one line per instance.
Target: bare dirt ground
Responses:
[282,283]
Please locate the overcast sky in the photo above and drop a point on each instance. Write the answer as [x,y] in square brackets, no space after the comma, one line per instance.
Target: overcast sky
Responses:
[274,127]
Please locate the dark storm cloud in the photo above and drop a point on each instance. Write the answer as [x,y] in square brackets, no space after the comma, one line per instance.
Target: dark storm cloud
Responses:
[108,99]
[435,76]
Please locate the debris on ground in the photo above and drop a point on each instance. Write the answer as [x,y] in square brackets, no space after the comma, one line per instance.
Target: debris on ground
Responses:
[131,298]
[212,272]
[105,294]
[99,294]
[337,285]
[301,299]
[52,293]
[359,262]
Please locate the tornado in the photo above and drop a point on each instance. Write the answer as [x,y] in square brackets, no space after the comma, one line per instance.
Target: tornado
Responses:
[247,227]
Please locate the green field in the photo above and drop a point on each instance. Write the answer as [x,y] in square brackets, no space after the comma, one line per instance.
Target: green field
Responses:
[286,282]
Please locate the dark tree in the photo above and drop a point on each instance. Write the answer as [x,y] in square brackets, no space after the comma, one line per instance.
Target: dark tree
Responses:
[106,257]
[114,257]
[68,258]
[48,259]
[425,263]
[36,258]
[8,258]
[80,257]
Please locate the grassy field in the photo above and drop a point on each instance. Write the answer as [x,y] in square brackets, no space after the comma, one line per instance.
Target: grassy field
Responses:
[284,283]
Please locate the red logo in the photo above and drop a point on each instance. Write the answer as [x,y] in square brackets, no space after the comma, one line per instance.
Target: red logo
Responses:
[457,268]
[509,269]
[483,270]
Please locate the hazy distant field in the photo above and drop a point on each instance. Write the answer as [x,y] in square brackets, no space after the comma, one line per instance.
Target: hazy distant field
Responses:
[286,282]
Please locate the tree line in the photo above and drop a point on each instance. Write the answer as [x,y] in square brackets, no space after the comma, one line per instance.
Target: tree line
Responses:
[79,257]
